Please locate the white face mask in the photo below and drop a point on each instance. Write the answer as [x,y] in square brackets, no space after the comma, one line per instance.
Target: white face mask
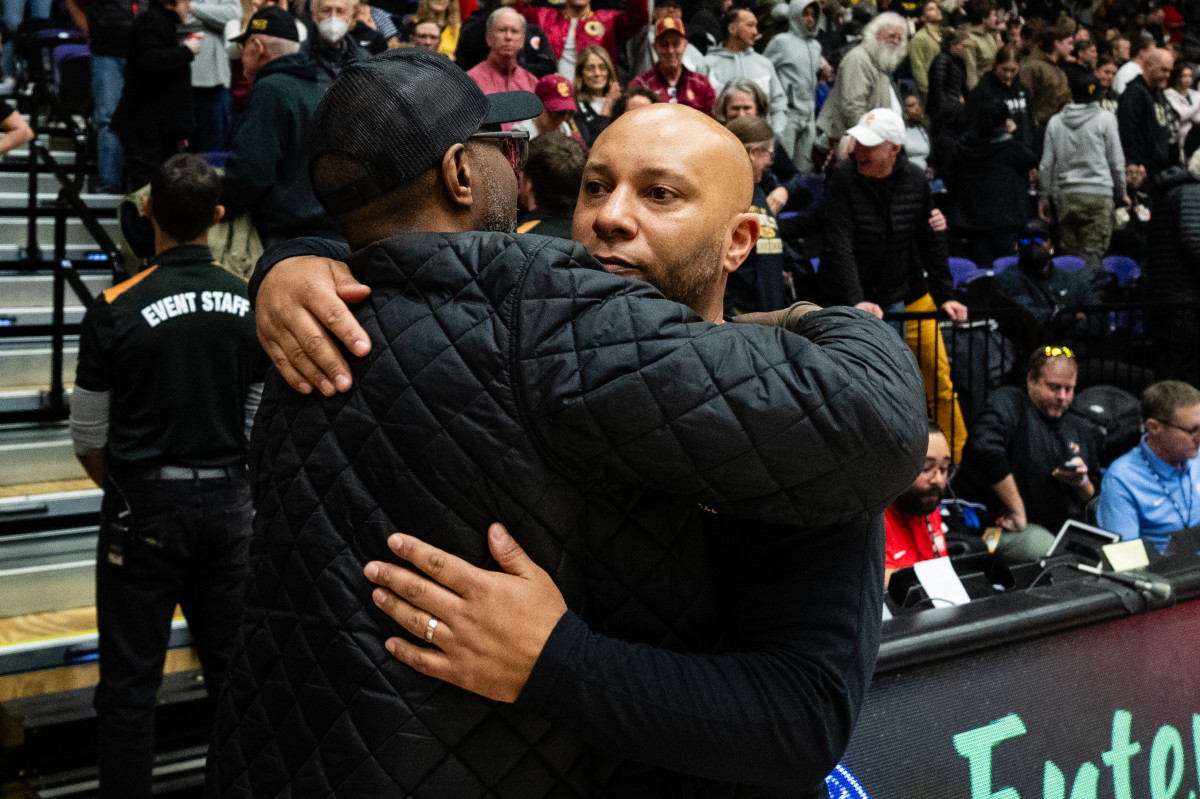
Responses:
[333,29]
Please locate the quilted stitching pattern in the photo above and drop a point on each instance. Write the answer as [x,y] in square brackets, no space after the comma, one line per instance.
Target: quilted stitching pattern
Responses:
[437,439]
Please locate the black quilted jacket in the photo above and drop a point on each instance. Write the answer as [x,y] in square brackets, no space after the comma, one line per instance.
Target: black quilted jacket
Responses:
[878,245]
[512,378]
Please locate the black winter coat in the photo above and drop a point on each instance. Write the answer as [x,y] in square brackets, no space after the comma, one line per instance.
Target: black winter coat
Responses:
[1172,268]
[877,243]
[991,183]
[266,173]
[158,78]
[513,378]
[1149,127]
[1015,97]
[946,105]
[109,26]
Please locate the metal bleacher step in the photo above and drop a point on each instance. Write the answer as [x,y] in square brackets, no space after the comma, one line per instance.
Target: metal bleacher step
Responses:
[14,231]
[28,299]
[20,157]
[25,361]
[37,453]
[18,199]
[18,183]
[17,400]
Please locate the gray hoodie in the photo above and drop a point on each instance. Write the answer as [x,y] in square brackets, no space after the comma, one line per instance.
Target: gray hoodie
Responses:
[1082,154]
[722,66]
[797,58]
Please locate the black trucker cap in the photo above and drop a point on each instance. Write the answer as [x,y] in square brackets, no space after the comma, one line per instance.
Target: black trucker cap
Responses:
[398,113]
[270,21]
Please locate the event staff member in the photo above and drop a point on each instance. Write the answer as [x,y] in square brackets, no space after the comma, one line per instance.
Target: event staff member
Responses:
[168,381]
[914,525]
[1151,491]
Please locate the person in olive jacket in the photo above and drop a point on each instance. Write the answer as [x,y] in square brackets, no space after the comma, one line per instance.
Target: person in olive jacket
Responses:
[156,115]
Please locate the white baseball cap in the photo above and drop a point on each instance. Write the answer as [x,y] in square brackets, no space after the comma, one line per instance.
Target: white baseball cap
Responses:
[877,126]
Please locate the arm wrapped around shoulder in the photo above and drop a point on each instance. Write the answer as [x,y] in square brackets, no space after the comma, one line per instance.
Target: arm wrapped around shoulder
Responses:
[815,427]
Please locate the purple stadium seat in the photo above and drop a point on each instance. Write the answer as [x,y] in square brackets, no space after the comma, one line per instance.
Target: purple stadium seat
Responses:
[1000,264]
[963,270]
[1070,263]
[1125,268]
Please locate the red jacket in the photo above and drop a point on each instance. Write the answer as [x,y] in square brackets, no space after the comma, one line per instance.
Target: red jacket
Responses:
[909,538]
[605,28]
[694,89]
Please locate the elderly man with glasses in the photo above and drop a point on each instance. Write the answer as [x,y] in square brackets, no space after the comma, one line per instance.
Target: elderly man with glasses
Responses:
[1150,491]
[1030,461]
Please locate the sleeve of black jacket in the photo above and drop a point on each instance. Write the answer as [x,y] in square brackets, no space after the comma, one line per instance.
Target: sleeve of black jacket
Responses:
[823,426]
[315,246]
[838,274]
[1132,115]
[779,711]
[986,451]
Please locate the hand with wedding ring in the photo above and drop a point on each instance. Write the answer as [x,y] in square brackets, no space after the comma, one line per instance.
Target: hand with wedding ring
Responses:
[486,629]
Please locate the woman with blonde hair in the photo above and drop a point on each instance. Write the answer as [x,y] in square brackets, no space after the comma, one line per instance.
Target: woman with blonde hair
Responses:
[596,89]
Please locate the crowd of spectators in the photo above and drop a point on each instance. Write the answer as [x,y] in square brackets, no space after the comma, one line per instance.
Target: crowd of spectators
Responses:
[885,140]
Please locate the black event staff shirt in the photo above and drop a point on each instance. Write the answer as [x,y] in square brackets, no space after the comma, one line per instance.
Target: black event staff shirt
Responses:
[175,345]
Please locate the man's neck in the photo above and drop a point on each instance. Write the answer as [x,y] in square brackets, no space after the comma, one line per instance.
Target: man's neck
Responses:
[506,65]
[163,242]
[934,28]
[1157,449]
[736,45]
[574,12]
[670,77]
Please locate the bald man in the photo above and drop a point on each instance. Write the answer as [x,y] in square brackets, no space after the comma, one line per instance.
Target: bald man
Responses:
[1148,125]
[800,604]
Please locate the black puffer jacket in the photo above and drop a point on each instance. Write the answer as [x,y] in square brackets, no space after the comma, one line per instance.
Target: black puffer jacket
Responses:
[511,378]
[1173,264]
[947,92]
[878,245]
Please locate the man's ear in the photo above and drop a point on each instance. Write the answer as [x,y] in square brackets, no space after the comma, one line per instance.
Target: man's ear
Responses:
[218,215]
[742,239]
[456,177]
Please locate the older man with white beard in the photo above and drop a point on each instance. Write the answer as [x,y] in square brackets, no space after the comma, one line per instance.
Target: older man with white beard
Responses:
[864,79]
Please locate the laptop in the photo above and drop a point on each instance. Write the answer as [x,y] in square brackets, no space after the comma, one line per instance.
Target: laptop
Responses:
[1084,542]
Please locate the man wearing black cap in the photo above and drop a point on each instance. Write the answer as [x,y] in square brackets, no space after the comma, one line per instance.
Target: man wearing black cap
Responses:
[513,377]
[265,174]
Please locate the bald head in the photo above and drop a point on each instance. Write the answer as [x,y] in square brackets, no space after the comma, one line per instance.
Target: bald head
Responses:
[647,208]
[1157,67]
[688,140]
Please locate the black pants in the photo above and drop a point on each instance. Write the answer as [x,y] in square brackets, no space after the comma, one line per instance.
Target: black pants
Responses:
[162,543]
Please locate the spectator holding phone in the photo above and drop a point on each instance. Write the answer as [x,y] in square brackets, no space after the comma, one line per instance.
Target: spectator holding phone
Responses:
[1030,460]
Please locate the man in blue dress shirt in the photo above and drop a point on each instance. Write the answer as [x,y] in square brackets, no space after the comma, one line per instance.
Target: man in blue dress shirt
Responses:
[1151,491]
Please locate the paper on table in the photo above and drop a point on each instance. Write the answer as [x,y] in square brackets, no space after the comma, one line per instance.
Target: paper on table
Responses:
[941,582]
[1126,555]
